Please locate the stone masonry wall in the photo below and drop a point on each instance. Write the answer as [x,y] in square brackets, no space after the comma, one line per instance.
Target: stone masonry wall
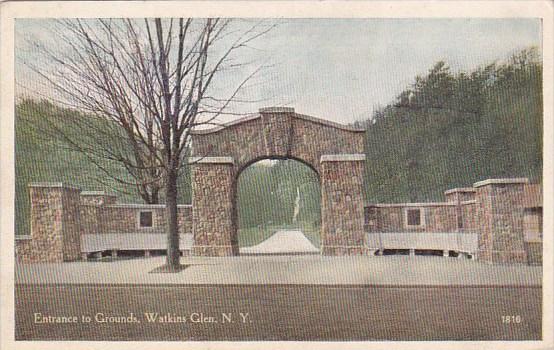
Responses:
[493,208]
[439,217]
[469,217]
[71,225]
[55,225]
[342,213]
[90,219]
[278,135]
[213,215]
[460,194]
[24,249]
[123,218]
[60,215]
[97,198]
[500,217]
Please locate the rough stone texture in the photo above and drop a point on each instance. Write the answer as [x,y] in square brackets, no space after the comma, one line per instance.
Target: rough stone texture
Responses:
[460,194]
[494,210]
[60,215]
[342,229]
[55,225]
[71,225]
[469,217]
[124,219]
[532,196]
[90,219]
[438,218]
[277,134]
[500,218]
[24,249]
[213,211]
[534,253]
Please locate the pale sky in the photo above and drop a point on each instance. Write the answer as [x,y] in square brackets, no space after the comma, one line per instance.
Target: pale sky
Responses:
[340,69]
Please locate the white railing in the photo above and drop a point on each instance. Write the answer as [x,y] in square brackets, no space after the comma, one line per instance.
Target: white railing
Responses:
[462,242]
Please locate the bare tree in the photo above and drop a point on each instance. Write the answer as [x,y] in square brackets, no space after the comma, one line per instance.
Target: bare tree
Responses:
[145,84]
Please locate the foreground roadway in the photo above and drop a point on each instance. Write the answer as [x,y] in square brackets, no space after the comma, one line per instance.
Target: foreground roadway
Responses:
[279,298]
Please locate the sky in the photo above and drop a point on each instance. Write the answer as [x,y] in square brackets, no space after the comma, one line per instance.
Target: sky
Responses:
[341,69]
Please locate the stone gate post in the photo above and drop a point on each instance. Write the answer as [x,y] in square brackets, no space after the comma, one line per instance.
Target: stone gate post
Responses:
[55,223]
[500,220]
[342,204]
[212,207]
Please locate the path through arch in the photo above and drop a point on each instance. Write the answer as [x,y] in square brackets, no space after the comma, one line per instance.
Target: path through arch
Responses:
[334,151]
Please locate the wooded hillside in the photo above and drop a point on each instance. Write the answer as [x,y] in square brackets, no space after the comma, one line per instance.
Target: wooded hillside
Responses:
[446,130]
[452,129]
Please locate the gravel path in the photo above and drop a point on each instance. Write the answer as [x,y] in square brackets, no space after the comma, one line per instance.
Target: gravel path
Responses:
[283,242]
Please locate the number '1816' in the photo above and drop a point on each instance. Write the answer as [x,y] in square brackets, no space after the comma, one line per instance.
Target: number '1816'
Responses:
[511,319]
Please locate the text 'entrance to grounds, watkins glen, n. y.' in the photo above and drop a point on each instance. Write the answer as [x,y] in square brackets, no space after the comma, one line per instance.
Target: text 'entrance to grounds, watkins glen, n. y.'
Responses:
[335,152]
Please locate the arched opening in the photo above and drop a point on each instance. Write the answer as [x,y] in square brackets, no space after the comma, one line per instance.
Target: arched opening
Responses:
[278,208]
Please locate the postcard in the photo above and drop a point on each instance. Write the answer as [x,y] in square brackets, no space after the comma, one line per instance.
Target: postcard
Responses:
[276,174]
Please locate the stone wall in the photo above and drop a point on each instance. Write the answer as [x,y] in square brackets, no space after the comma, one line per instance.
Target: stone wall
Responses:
[469,216]
[500,217]
[534,252]
[494,209]
[61,214]
[97,198]
[213,212]
[24,249]
[90,219]
[71,225]
[55,225]
[123,218]
[342,229]
[460,194]
[278,133]
[437,217]
[220,155]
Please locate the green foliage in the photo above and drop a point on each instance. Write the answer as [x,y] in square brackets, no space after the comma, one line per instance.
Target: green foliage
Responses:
[267,192]
[447,130]
[42,155]
[450,130]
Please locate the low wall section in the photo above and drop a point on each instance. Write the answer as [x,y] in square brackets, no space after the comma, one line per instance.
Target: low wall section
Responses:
[486,219]
[499,220]
[66,222]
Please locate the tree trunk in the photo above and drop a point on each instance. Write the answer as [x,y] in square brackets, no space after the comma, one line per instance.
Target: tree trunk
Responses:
[149,196]
[173,255]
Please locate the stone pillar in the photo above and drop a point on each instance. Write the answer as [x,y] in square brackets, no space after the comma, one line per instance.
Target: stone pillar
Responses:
[500,220]
[342,204]
[214,229]
[55,222]
[458,195]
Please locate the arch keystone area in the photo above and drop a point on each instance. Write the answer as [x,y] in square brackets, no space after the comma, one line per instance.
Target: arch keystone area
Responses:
[334,151]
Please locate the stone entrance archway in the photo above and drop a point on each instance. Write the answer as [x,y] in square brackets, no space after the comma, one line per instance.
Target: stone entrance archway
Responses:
[334,151]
